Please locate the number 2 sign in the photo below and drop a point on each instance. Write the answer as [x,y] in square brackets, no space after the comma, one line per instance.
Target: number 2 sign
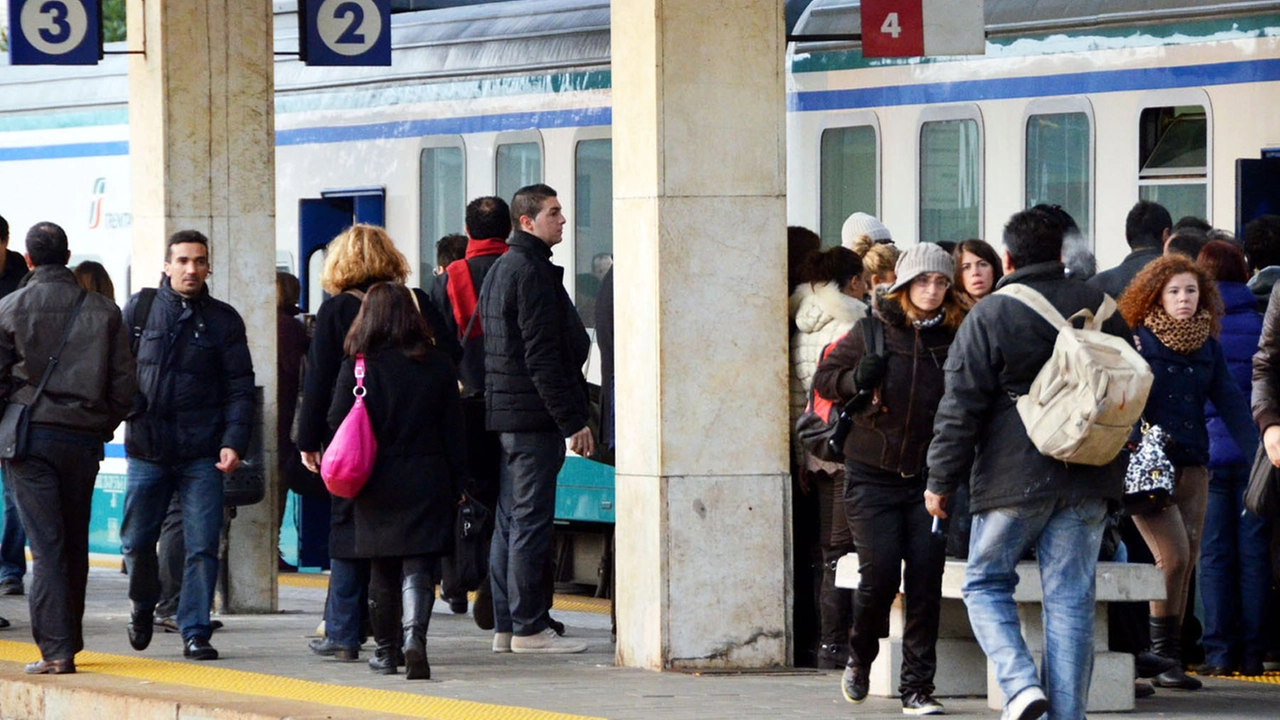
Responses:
[54,32]
[346,32]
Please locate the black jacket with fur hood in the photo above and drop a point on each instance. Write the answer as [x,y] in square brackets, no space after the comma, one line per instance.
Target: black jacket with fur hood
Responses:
[894,435]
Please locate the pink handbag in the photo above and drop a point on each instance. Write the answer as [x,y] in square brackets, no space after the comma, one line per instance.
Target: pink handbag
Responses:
[348,461]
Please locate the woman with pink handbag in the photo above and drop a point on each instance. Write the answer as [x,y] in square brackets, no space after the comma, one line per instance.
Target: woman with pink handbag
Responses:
[404,514]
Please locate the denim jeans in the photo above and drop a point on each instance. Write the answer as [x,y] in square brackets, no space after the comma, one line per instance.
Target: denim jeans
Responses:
[1066,537]
[198,484]
[1234,572]
[13,541]
[348,598]
[523,538]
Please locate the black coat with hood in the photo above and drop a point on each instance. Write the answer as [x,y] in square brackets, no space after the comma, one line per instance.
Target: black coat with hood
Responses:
[979,437]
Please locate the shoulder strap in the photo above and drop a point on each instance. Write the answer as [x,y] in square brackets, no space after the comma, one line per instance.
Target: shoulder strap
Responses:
[141,312]
[66,333]
[873,335]
[1032,298]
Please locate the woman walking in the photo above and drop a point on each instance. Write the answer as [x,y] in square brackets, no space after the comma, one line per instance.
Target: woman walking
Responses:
[403,516]
[884,467]
[1176,312]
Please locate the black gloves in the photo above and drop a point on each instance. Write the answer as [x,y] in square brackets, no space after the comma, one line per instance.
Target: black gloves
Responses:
[870,372]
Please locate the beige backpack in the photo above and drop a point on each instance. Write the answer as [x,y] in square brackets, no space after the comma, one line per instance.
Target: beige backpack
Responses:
[1084,402]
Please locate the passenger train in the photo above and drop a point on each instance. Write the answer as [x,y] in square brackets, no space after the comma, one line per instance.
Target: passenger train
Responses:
[1088,104]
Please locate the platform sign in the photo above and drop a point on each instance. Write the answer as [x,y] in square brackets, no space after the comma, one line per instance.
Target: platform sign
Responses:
[345,32]
[55,32]
[915,28]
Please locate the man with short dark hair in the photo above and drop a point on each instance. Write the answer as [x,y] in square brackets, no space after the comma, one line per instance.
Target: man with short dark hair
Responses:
[72,342]
[1146,228]
[1262,247]
[535,397]
[196,378]
[1020,498]
[13,539]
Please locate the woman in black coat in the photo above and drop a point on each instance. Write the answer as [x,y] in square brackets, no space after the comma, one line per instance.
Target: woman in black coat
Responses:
[403,516]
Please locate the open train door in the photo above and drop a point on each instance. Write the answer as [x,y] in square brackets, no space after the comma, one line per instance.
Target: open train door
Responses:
[1257,188]
[319,221]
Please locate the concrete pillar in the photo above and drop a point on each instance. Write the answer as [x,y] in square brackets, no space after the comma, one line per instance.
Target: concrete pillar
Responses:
[202,156]
[703,494]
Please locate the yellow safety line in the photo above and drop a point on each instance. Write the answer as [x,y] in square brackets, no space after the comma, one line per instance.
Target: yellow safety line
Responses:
[1270,677]
[285,688]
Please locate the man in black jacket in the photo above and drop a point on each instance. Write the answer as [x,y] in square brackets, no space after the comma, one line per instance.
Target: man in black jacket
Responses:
[1146,228]
[87,392]
[535,397]
[1019,497]
[191,426]
[13,539]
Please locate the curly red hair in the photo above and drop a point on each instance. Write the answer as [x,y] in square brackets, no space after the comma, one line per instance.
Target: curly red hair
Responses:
[1144,293]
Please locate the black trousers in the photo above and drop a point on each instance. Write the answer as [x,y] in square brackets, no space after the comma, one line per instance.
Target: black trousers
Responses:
[53,488]
[171,553]
[891,527]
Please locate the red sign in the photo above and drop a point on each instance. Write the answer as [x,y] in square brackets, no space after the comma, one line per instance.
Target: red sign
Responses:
[892,28]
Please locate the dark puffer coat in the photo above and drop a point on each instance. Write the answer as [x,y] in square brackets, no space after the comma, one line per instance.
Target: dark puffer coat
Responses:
[978,436]
[534,344]
[195,379]
[408,505]
[1241,327]
[894,437]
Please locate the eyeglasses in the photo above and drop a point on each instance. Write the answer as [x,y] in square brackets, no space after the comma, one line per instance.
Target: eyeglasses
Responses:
[936,281]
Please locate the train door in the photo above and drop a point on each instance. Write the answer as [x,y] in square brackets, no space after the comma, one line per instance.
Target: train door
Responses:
[319,221]
[1257,188]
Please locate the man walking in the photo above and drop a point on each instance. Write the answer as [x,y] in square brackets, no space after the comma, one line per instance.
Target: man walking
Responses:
[196,379]
[13,539]
[535,397]
[1019,497]
[65,354]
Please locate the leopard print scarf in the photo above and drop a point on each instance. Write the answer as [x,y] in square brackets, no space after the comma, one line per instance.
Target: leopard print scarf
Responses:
[1181,336]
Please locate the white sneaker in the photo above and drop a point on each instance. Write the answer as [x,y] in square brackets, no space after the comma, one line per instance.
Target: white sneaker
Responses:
[502,642]
[1029,704]
[546,642]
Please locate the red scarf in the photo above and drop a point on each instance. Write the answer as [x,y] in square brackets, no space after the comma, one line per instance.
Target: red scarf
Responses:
[461,291]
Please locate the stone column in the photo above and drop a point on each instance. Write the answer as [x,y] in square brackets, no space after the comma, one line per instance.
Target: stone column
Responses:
[703,493]
[202,156]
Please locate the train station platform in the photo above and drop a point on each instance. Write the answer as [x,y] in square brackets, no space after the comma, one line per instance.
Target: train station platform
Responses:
[266,672]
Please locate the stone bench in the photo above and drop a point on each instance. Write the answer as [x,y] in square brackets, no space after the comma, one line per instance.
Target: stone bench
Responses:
[962,666]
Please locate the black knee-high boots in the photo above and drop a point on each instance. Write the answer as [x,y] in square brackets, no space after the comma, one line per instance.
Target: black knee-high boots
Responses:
[417,595]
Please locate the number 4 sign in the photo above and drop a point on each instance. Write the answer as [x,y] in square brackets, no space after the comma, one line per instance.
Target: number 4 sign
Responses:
[345,32]
[914,28]
[55,32]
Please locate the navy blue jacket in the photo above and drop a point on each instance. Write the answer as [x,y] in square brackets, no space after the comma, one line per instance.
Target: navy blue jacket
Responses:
[1241,327]
[195,377]
[1182,385]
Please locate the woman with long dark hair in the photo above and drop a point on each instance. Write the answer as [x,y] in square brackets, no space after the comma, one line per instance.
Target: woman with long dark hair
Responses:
[885,472]
[1176,313]
[403,516]
[978,269]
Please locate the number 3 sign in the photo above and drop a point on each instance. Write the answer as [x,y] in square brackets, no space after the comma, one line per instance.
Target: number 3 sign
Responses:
[54,32]
[346,32]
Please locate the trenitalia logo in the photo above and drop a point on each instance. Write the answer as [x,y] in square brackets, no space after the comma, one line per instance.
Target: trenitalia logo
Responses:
[98,219]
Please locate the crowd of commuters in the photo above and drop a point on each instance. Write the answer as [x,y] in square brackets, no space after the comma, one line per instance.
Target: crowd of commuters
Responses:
[941,436]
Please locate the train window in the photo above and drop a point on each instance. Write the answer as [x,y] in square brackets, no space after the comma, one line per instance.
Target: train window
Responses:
[950,180]
[442,202]
[1173,159]
[592,223]
[849,172]
[518,164]
[1059,168]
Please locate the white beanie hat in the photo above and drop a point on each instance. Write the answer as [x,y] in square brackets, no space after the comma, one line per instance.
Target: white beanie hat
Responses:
[922,258]
[859,224]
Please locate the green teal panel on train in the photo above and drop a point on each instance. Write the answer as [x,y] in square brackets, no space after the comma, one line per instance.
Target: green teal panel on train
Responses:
[584,491]
[108,513]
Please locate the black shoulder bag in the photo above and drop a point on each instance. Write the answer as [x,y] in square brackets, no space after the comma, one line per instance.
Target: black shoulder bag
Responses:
[15,423]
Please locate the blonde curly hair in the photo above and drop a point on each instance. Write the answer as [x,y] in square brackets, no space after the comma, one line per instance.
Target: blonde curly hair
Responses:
[878,259]
[361,254]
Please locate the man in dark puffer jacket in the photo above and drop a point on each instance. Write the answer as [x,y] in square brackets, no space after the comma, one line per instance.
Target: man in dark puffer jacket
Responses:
[190,426]
[535,397]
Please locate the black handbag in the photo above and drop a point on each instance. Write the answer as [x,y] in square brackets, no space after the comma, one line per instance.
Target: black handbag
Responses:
[1262,494]
[471,546]
[1149,480]
[15,422]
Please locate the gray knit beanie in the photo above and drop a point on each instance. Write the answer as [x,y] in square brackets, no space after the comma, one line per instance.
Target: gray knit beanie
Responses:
[925,257]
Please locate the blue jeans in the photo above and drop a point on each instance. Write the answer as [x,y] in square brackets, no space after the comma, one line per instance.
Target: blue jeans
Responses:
[13,542]
[1066,537]
[1235,557]
[522,540]
[348,598]
[198,484]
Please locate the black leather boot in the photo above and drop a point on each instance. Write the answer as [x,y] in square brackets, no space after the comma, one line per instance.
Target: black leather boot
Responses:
[387,655]
[835,606]
[1166,641]
[417,595]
